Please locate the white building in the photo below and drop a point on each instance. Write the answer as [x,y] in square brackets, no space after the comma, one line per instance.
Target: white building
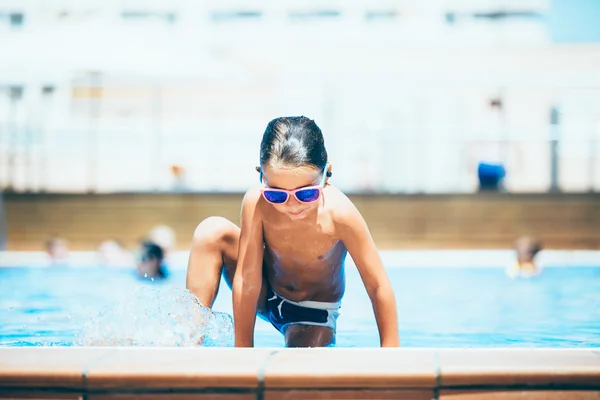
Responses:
[108,95]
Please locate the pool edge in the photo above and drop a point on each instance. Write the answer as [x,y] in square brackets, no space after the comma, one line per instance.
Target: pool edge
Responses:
[263,373]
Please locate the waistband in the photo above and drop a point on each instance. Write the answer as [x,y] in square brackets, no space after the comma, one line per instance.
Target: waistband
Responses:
[321,305]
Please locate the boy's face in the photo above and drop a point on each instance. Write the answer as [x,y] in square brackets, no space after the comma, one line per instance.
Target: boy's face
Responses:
[290,178]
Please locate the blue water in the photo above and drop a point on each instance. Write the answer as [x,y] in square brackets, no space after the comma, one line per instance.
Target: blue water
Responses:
[437,307]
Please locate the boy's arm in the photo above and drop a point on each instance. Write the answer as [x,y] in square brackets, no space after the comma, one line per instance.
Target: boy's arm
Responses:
[248,275]
[357,238]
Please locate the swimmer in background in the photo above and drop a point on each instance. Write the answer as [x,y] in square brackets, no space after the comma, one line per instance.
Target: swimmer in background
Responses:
[57,250]
[150,263]
[113,254]
[165,237]
[286,262]
[526,249]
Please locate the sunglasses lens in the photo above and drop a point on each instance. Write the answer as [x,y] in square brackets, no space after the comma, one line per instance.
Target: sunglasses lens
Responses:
[307,195]
[274,196]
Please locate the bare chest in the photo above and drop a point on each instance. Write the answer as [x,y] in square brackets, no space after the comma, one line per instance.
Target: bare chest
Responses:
[301,244]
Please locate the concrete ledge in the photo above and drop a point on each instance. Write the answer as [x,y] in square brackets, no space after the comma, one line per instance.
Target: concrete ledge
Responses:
[225,373]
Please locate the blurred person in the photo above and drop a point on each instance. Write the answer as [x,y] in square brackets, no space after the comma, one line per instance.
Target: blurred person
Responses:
[58,250]
[526,249]
[150,262]
[112,253]
[286,263]
[165,237]
[178,174]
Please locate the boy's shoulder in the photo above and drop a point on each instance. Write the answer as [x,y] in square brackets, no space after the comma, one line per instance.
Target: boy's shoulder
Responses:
[342,209]
[251,198]
[252,195]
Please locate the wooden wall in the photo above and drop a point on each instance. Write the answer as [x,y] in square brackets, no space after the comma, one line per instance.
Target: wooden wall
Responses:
[477,221]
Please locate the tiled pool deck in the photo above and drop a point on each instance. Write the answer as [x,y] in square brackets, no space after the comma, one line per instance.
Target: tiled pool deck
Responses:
[110,373]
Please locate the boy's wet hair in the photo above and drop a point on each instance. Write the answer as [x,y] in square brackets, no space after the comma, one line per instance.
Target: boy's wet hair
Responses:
[293,141]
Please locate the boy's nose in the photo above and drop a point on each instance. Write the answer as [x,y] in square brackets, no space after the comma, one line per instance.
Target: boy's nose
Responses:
[293,200]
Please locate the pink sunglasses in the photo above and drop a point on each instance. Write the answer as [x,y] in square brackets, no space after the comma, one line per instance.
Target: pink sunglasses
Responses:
[308,194]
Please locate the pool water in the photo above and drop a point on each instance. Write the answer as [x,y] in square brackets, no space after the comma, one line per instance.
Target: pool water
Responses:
[437,307]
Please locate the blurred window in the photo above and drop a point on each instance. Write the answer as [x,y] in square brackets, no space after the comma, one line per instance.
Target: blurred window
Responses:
[314,15]
[12,19]
[168,17]
[380,15]
[230,16]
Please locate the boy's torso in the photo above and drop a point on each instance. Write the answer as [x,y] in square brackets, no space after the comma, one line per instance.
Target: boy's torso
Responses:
[304,260]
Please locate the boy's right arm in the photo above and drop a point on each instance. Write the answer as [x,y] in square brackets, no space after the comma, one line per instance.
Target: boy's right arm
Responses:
[248,275]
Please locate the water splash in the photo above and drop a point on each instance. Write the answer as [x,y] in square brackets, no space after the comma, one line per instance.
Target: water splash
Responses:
[156,316]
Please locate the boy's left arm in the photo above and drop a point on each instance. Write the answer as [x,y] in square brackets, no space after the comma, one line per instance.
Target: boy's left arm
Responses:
[355,234]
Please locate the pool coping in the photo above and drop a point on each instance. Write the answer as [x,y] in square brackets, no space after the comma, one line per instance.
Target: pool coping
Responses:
[296,373]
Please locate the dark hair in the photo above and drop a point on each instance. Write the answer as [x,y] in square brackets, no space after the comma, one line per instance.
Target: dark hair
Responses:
[295,141]
[151,251]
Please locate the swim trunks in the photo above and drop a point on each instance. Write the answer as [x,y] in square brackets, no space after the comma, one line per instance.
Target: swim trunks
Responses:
[284,312]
